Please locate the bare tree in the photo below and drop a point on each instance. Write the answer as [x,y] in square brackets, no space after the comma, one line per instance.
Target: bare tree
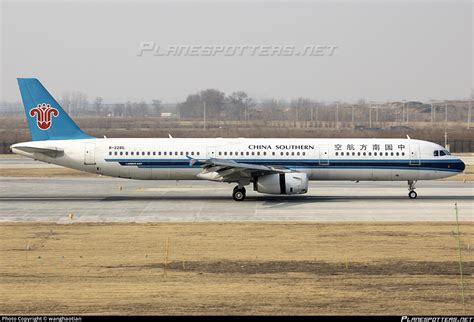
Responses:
[119,110]
[238,105]
[156,107]
[194,104]
[98,105]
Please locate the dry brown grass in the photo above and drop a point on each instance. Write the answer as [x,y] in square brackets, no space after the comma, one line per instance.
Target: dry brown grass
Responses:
[234,268]
[43,172]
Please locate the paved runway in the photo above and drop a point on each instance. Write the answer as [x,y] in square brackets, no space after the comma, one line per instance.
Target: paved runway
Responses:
[101,200]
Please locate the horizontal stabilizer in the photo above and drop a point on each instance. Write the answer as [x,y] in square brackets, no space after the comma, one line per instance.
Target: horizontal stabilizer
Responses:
[50,151]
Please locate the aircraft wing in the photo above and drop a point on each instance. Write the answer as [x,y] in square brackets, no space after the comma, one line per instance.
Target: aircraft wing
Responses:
[231,171]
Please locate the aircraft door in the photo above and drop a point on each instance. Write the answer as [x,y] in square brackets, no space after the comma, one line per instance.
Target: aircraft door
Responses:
[323,156]
[211,152]
[414,154]
[89,153]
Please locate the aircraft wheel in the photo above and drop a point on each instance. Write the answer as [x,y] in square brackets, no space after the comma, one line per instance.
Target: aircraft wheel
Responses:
[412,194]
[243,189]
[239,194]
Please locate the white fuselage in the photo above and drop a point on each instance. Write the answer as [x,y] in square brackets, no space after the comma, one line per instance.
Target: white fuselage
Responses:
[320,159]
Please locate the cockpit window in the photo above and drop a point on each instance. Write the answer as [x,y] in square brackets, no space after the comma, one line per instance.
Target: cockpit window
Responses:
[444,152]
[441,153]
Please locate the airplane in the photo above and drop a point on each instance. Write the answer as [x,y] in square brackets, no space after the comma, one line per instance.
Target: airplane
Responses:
[272,166]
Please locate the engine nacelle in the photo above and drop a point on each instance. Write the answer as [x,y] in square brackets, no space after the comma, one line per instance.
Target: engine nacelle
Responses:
[282,183]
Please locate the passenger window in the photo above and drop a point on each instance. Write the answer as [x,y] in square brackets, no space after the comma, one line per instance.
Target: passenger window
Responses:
[375,154]
[192,153]
[398,154]
[304,153]
[386,154]
[197,153]
[159,152]
[181,153]
[253,153]
[247,153]
[337,153]
[353,153]
[364,154]
[297,153]
[258,152]
[225,153]
[391,153]
[121,153]
[358,153]
[287,153]
[264,153]
[403,153]
[292,153]
[126,153]
[370,154]
[115,153]
[110,152]
[281,153]
[273,153]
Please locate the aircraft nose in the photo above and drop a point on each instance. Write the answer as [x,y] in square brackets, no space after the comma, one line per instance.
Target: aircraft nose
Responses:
[458,165]
[462,165]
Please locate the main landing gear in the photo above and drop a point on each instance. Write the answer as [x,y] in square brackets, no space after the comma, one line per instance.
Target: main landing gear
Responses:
[239,193]
[411,188]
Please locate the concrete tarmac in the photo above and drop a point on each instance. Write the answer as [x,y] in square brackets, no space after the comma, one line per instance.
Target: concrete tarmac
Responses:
[119,200]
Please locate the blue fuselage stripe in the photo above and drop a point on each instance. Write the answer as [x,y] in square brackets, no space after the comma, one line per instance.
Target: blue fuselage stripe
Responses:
[432,165]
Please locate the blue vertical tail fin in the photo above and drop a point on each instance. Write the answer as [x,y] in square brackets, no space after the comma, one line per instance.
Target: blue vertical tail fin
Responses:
[46,118]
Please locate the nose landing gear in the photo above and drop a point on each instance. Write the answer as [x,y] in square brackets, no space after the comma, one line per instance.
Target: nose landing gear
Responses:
[239,193]
[411,188]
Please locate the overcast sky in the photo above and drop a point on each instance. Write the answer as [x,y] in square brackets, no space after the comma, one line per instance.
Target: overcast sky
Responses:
[385,50]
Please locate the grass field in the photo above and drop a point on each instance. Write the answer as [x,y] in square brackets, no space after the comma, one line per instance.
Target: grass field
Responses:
[235,268]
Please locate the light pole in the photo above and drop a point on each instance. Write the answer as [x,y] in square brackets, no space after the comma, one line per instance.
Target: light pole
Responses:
[446,113]
[337,115]
[406,111]
[469,114]
[370,115]
[352,114]
[432,114]
[204,116]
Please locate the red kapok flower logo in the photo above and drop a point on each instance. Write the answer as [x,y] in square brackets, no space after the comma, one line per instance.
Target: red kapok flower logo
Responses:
[44,113]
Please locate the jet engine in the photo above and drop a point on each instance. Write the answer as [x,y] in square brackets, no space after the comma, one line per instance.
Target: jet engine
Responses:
[282,183]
